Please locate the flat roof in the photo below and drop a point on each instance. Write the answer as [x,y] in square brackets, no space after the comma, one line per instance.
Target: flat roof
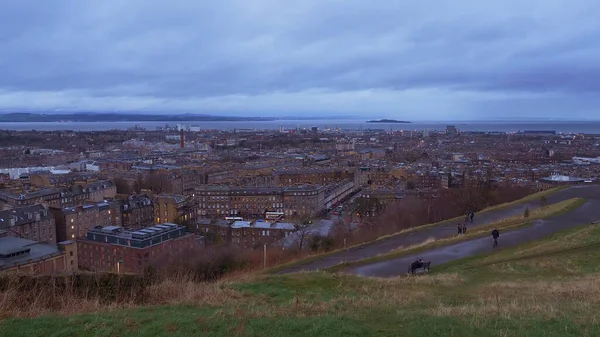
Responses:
[37,251]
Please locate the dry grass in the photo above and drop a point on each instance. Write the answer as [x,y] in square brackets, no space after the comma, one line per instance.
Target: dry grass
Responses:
[584,289]
[16,303]
[50,297]
[187,292]
[517,299]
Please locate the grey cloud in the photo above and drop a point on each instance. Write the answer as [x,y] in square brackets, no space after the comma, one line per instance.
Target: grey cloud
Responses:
[191,50]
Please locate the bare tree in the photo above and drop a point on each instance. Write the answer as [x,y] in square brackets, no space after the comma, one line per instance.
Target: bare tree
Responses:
[138,184]
[303,231]
[157,182]
[471,198]
[406,213]
[122,186]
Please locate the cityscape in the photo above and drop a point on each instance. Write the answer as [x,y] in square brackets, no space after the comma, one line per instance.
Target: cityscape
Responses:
[246,189]
[301,168]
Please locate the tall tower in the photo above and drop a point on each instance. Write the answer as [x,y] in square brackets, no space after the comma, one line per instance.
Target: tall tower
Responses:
[181,138]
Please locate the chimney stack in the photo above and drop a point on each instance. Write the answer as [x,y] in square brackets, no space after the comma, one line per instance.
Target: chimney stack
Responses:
[181,140]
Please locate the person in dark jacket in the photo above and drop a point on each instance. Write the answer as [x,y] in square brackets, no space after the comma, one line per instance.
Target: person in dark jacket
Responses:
[464,228]
[471,216]
[495,235]
[416,265]
[459,228]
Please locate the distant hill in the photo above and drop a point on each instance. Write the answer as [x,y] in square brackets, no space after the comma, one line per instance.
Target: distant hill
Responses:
[119,117]
[387,121]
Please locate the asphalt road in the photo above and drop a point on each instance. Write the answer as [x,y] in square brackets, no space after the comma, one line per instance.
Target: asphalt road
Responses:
[587,213]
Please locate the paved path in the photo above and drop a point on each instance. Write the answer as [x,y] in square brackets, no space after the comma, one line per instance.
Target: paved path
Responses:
[585,214]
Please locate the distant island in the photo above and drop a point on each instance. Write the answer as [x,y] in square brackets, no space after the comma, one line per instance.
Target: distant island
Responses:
[123,117]
[388,121]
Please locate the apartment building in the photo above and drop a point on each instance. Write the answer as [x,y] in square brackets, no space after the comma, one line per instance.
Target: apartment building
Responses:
[28,222]
[72,196]
[75,222]
[256,234]
[218,231]
[336,193]
[221,176]
[170,208]
[109,213]
[304,201]
[59,197]
[428,180]
[192,178]
[376,175]
[312,176]
[49,196]
[215,201]
[255,202]
[384,195]
[252,202]
[137,211]
[100,190]
[114,165]
[116,249]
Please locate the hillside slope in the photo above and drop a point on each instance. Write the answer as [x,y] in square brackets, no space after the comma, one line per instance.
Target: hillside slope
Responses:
[549,287]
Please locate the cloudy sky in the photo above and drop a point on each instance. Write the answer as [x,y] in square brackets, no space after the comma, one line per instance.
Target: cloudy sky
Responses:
[418,60]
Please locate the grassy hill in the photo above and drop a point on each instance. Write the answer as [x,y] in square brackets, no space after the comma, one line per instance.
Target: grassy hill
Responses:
[546,288]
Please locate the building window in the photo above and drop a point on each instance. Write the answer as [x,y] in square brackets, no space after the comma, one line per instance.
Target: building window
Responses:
[72,227]
[71,220]
[72,236]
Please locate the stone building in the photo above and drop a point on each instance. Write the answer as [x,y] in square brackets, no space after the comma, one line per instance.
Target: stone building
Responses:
[29,222]
[116,249]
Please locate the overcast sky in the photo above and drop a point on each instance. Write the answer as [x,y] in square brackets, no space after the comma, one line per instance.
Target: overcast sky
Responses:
[416,60]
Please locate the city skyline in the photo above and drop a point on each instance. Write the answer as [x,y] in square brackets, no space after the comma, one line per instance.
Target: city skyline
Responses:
[392,59]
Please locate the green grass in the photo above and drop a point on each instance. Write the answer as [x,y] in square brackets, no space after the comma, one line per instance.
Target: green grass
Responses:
[511,223]
[549,287]
[566,251]
[314,257]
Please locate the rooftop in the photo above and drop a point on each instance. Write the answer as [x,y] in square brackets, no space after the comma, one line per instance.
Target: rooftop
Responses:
[241,224]
[23,215]
[23,251]
[140,238]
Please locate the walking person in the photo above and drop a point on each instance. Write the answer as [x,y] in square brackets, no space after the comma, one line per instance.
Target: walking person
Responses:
[472,215]
[459,227]
[464,229]
[495,235]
